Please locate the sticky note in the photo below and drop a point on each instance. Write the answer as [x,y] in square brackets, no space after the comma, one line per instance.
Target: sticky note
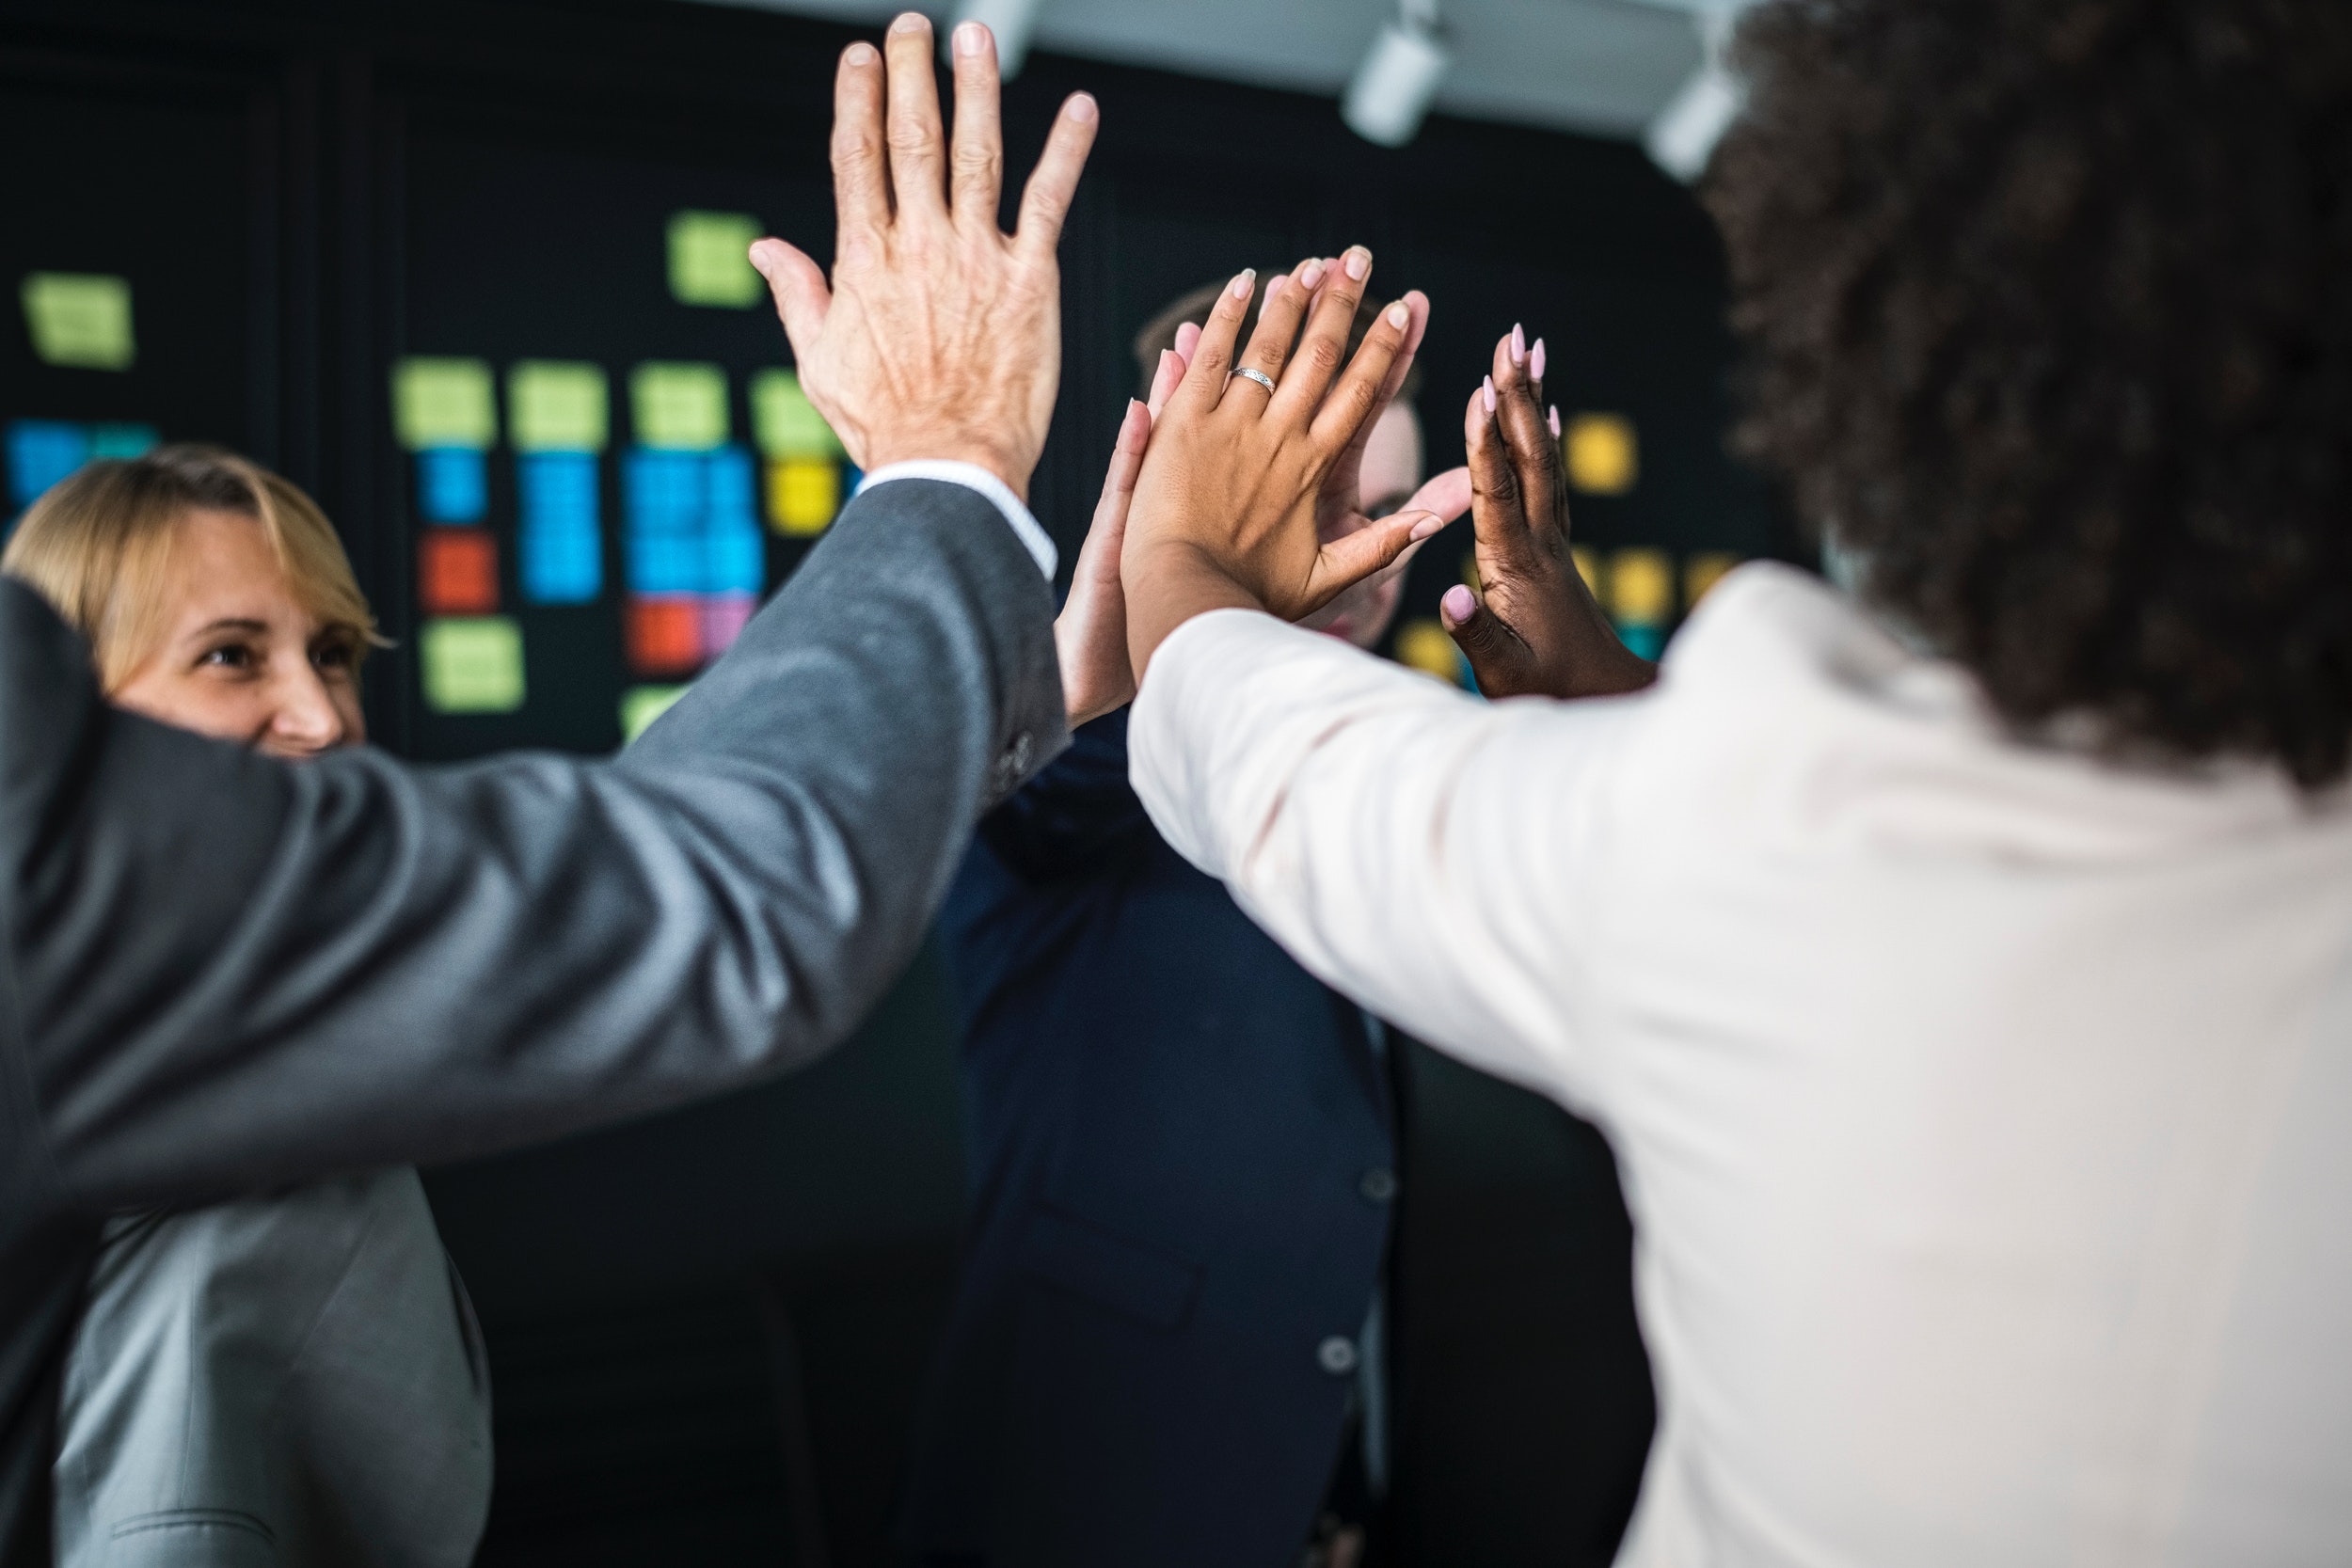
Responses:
[1701,572]
[557,489]
[663,489]
[678,406]
[40,453]
[724,618]
[642,705]
[803,495]
[710,262]
[735,558]
[472,665]
[1470,575]
[1588,567]
[557,406]
[452,484]
[560,565]
[122,441]
[79,319]
[1423,645]
[1603,457]
[786,423]
[1640,588]
[558,545]
[458,571]
[661,635]
[727,488]
[443,403]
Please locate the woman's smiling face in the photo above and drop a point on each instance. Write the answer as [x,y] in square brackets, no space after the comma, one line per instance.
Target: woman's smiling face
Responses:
[239,656]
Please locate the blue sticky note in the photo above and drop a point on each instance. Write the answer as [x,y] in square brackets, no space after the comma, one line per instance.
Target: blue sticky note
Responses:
[122,441]
[735,558]
[557,489]
[662,562]
[560,565]
[452,484]
[40,453]
[733,487]
[662,490]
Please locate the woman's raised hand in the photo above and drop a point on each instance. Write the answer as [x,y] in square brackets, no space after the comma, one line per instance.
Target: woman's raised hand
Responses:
[1224,509]
[1533,630]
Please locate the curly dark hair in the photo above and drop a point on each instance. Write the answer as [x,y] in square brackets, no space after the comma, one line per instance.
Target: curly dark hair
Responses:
[2048,311]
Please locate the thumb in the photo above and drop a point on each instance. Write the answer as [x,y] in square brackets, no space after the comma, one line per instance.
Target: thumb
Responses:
[1348,560]
[1496,654]
[797,286]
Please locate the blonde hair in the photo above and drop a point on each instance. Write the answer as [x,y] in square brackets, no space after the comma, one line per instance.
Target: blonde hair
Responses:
[98,547]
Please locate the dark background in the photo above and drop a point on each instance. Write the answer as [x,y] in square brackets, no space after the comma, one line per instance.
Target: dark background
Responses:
[707,1329]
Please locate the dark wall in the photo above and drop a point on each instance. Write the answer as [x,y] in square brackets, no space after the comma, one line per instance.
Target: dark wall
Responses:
[706,1326]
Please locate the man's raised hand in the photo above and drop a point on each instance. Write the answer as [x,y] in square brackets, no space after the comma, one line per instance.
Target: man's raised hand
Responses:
[940,335]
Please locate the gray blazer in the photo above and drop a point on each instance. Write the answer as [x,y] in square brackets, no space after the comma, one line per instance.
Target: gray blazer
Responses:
[221,974]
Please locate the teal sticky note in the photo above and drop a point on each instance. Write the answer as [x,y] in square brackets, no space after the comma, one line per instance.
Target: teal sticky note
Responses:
[80,320]
[678,405]
[784,422]
[443,403]
[710,262]
[122,441]
[473,664]
[642,705]
[556,405]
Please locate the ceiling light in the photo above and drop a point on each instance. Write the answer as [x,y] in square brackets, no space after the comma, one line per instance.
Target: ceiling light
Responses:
[1683,136]
[1391,92]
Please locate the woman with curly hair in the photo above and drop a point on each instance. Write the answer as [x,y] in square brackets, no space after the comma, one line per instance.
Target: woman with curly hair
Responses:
[1959,957]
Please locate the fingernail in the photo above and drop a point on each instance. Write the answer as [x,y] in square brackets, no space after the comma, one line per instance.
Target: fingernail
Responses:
[1536,360]
[1458,603]
[1518,344]
[859,53]
[1489,391]
[1312,276]
[1400,314]
[1427,525]
[1083,108]
[1555,422]
[1242,280]
[1359,262]
[1273,287]
[759,259]
[971,37]
[910,22]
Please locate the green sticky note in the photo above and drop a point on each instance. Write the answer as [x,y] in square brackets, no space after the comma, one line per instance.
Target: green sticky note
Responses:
[642,705]
[710,262]
[443,403]
[473,664]
[784,422]
[81,320]
[681,405]
[556,405]
[122,441]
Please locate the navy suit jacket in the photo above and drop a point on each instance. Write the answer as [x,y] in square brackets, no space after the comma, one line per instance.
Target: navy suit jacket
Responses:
[1182,1173]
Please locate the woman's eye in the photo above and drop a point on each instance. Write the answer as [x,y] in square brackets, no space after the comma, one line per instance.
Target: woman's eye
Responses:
[335,657]
[231,655]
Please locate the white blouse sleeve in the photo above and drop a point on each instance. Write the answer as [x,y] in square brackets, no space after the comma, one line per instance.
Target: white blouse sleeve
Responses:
[1417,849]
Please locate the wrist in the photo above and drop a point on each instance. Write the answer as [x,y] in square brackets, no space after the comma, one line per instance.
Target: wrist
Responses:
[1167,583]
[989,456]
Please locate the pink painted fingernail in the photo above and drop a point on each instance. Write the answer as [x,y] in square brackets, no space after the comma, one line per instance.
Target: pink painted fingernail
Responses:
[1536,360]
[1555,422]
[1312,276]
[1458,603]
[1489,391]
[1359,262]
[1273,287]
[971,37]
[1242,280]
[1518,344]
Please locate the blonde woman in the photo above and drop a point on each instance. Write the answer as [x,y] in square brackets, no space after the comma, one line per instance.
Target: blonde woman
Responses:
[292,1378]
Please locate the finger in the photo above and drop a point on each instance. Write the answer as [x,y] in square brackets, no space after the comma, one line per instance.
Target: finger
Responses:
[1448,495]
[1287,296]
[1498,511]
[1417,307]
[1344,562]
[1324,345]
[861,178]
[977,155]
[1349,410]
[1135,434]
[1534,454]
[1054,183]
[1213,352]
[1498,658]
[916,178]
[1187,340]
[797,286]
[1535,367]
[1167,378]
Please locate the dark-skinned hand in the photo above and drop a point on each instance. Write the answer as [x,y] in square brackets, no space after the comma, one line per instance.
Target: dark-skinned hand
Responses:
[1533,627]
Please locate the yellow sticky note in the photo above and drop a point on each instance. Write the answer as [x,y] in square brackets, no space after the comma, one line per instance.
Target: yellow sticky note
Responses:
[786,423]
[556,405]
[443,403]
[80,320]
[679,405]
[1424,645]
[473,664]
[642,705]
[709,264]
[1604,457]
[1469,574]
[803,495]
[1701,572]
[1641,587]
[1588,567]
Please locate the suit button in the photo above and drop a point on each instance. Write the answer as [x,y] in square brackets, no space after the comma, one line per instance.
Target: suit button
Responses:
[1017,756]
[1337,1356]
[1378,1185]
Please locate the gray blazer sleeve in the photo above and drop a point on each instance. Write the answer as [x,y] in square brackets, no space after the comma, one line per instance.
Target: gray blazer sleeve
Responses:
[233,972]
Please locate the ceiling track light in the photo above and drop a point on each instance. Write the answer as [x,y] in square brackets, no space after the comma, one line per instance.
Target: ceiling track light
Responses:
[1682,136]
[1391,92]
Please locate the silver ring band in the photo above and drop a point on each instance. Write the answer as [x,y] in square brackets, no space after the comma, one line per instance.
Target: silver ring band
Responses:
[1259,376]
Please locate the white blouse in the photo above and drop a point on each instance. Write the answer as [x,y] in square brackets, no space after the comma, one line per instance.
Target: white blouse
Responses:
[1985,1110]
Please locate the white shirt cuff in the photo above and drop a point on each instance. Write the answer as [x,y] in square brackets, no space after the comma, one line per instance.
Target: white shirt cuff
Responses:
[973,477]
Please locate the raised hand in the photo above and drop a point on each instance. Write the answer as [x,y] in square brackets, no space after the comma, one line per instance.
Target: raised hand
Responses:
[1225,509]
[1538,631]
[941,335]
